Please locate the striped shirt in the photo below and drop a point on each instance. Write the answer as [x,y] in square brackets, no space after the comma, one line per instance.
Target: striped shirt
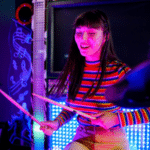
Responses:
[91,105]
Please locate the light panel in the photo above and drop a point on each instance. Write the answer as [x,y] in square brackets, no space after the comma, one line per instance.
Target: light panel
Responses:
[138,135]
[65,134]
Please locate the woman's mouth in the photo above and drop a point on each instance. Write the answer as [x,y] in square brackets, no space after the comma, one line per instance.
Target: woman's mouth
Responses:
[85,46]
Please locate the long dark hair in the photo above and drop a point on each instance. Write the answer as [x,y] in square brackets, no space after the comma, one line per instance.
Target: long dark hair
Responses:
[73,71]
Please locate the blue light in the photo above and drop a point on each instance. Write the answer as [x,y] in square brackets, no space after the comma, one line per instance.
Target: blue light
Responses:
[137,135]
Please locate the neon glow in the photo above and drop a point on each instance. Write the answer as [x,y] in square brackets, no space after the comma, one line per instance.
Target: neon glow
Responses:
[19,77]
[138,135]
[27,22]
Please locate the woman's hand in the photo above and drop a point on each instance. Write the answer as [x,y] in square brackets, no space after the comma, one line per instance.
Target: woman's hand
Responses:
[105,119]
[48,127]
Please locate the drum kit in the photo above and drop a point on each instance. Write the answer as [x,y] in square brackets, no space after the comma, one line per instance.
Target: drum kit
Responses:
[132,91]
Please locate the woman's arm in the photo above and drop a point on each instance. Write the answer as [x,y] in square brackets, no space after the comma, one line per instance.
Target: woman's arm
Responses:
[48,127]
[136,117]
[109,119]
[64,117]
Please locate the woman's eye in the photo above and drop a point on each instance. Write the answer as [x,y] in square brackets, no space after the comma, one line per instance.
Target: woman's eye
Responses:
[79,33]
[91,34]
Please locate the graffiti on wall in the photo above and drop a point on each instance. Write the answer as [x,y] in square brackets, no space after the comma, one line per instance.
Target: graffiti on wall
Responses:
[19,82]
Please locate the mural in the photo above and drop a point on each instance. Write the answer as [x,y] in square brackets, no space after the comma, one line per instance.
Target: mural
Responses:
[19,82]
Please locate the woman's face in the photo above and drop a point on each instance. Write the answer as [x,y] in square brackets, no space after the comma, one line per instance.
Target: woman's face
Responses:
[89,42]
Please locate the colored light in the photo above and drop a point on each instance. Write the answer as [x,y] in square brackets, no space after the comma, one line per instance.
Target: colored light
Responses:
[137,135]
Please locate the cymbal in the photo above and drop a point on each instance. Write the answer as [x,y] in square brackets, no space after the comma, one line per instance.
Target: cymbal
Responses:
[133,90]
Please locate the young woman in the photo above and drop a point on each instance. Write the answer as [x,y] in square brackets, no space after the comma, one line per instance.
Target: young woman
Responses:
[91,67]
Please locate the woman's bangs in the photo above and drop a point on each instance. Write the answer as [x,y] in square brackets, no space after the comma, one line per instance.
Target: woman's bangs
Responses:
[88,22]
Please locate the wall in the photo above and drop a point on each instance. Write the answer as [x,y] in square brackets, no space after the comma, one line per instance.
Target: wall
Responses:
[15,73]
[7,12]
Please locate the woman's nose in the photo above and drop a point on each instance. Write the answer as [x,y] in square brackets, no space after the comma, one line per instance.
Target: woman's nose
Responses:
[85,36]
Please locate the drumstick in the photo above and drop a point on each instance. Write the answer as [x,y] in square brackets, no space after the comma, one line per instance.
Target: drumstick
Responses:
[20,107]
[63,106]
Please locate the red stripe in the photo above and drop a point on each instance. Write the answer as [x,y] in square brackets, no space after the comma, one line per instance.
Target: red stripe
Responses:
[123,121]
[84,89]
[91,69]
[80,96]
[92,104]
[137,116]
[145,117]
[88,111]
[130,118]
